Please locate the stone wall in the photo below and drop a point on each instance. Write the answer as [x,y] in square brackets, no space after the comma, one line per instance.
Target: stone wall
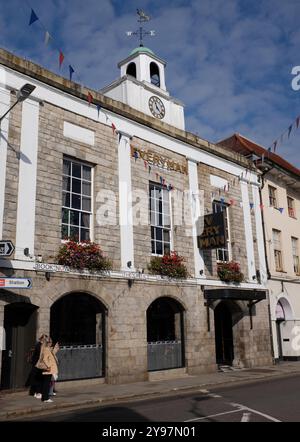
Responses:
[52,148]
[235,213]
[182,241]
[12,173]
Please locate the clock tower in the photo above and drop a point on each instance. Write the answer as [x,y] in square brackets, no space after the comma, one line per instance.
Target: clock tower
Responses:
[142,86]
[142,83]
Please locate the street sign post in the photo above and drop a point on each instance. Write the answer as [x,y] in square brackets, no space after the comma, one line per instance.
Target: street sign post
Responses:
[6,248]
[15,283]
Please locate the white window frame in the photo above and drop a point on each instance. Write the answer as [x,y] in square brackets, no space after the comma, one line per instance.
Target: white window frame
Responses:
[295,241]
[157,185]
[91,213]
[228,233]
[278,242]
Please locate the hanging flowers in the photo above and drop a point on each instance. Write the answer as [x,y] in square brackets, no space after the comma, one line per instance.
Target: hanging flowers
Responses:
[84,255]
[170,265]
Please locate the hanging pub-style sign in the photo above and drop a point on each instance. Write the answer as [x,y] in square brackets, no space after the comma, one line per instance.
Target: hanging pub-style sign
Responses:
[211,231]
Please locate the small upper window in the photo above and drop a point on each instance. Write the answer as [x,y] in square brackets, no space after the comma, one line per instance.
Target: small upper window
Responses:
[131,70]
[291,207]
[272,196]
[154,74]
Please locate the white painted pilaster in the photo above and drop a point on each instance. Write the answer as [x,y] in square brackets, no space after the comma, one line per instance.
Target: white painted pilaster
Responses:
[196,212]
[248,230]
[27,178]
[259,235]
[4,106]
[125,204]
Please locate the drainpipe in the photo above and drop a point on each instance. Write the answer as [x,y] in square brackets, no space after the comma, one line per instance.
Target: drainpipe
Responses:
[267,265]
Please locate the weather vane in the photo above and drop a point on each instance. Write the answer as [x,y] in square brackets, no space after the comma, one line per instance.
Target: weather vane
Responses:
[141,33]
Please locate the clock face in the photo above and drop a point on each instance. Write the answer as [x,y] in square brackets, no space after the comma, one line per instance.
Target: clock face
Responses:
[157,107]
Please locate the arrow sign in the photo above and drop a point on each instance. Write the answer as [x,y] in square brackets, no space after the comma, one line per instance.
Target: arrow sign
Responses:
[15,283]
[6,248]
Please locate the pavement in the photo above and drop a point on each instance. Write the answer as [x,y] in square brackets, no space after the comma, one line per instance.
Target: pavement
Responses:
[19,405]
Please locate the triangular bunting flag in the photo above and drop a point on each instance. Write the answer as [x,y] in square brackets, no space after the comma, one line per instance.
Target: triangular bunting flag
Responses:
[98,109]
[275,146]
[47,38]
[33,17]
[90,98]
[298,121]
[149,169]
[251,206]
[71,70]
[120,136]
[113,128]
[145,164]
[61,58]
[281,209]
[290,130]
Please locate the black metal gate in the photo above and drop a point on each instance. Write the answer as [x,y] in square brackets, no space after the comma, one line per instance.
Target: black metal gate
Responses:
[80,362]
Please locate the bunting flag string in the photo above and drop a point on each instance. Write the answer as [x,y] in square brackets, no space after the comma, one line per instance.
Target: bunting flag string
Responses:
[288,131]
[71,71]
[98,110]
[61,58]
[47,38]
[159,178]
[90,98]
[33,17]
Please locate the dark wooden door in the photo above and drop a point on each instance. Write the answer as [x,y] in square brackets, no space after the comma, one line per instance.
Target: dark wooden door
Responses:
[20,329]
[223,335]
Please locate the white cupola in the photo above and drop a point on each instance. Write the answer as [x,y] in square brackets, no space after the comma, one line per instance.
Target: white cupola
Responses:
[142,86]
[144,65]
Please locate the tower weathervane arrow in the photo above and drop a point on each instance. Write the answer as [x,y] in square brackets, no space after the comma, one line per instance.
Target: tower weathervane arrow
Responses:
[143,17]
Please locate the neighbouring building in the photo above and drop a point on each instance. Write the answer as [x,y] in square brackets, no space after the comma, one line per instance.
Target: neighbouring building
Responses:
[118,168]
[280,194]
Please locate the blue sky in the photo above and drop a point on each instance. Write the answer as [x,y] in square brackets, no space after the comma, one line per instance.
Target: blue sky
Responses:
[229,61]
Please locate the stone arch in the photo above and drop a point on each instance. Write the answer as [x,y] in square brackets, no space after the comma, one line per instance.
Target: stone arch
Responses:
[287,308]
[58,296]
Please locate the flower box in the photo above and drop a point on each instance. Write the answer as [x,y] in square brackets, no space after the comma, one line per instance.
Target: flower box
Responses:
[170,265]
[84,255]
[230,272]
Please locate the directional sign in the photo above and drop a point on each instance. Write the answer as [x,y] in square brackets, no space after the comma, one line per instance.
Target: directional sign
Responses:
[6,248]
[15,283]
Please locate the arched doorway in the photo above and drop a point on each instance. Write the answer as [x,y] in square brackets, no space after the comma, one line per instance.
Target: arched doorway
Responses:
[224,334]
[20,320]
[284,323]
[165,334]
[77,322]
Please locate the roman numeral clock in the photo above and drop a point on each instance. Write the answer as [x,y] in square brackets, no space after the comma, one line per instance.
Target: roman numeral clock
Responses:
[157,107]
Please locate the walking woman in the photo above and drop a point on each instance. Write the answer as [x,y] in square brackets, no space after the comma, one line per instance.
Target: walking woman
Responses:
[48,364]
[35,376]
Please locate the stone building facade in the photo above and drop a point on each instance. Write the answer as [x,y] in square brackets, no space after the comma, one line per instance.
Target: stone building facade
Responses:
[126,325]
